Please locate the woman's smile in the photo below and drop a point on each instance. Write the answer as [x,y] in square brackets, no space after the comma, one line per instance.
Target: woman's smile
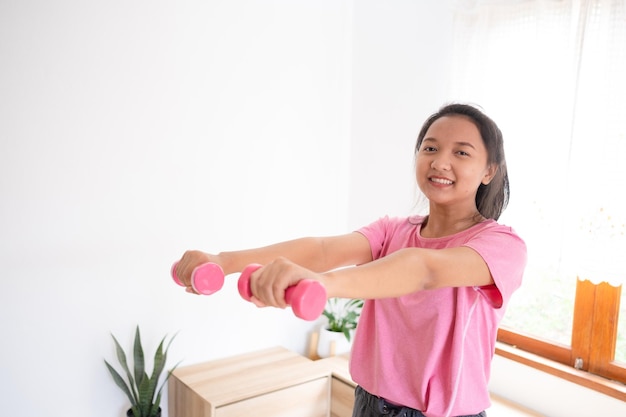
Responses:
[440,180]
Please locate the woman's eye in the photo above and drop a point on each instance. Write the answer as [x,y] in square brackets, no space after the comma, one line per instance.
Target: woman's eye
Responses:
[463,153]
[429,149]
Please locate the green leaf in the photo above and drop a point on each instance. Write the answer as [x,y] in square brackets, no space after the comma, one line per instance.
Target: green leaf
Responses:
[346,333]
[145,399]
[121,357]
[138,358]
[169,373]
[119,381]
[159,362]
[156,405]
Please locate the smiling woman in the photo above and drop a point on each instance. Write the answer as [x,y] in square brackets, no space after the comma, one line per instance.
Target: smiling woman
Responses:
[428,280]
[477,145]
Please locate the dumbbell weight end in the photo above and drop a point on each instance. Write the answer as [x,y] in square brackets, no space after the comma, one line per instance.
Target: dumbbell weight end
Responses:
[206,279]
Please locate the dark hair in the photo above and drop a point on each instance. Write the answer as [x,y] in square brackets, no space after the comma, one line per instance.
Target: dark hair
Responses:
[491,199]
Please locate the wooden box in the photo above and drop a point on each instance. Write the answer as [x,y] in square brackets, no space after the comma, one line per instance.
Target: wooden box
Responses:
[271,383]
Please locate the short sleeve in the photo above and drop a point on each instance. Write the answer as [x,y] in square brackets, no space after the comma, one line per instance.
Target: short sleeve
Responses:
[505,254]
[376,233]
[389,234]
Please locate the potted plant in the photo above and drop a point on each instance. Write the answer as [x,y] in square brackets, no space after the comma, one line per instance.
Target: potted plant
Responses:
[142,390]
[343,315]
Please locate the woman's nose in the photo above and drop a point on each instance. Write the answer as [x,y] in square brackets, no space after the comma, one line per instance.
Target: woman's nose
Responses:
[440,163]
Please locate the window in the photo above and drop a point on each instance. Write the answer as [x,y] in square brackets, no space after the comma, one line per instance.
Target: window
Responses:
[551,73]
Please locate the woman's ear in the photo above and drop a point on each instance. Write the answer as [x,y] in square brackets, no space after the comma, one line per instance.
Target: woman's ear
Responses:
[492,169]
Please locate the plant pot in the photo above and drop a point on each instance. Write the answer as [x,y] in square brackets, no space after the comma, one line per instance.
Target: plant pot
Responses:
[332,343]
[129,413]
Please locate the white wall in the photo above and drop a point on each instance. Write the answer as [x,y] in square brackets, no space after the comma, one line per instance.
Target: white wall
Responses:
[400,67]
[133,130]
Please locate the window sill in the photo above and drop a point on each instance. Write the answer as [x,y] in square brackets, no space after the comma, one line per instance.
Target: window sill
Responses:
[611,388]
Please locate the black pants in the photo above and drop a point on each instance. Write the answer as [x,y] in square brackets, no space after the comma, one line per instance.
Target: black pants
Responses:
[368,405]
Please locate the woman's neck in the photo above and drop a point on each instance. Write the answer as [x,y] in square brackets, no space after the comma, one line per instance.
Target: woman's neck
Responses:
[446,224]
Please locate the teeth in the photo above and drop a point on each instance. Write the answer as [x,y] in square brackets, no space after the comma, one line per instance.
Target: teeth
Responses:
[441,181]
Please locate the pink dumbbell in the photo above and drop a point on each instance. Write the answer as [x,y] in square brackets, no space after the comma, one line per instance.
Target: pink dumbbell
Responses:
[205,279]
[307,298]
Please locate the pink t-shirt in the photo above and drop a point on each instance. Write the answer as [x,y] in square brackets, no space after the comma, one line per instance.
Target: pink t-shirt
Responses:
[432,350]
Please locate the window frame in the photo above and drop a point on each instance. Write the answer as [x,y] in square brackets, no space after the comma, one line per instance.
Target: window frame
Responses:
[596,313]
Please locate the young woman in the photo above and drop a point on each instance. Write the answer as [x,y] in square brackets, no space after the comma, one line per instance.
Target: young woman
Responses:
[436,286]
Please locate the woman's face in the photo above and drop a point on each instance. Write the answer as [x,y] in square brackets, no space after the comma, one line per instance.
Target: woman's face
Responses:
[451,162]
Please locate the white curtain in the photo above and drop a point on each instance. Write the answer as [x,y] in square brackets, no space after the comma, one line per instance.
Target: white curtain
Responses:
[552,73]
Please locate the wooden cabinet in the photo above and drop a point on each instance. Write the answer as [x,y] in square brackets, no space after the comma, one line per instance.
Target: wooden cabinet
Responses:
[270,383]
[341,399]
[341,386]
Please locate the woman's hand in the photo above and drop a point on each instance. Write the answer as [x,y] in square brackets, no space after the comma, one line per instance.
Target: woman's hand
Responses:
[268,283]
[190,260]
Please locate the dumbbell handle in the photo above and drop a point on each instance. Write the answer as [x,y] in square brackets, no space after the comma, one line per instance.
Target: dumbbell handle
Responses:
[307,298]
[206,278]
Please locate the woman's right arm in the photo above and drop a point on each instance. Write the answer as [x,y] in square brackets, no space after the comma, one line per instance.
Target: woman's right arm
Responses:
[318,254]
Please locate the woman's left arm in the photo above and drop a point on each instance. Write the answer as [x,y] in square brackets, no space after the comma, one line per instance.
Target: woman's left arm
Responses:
[407,271]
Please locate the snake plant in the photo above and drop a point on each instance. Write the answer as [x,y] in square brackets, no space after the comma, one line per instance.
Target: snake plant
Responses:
[142,390]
